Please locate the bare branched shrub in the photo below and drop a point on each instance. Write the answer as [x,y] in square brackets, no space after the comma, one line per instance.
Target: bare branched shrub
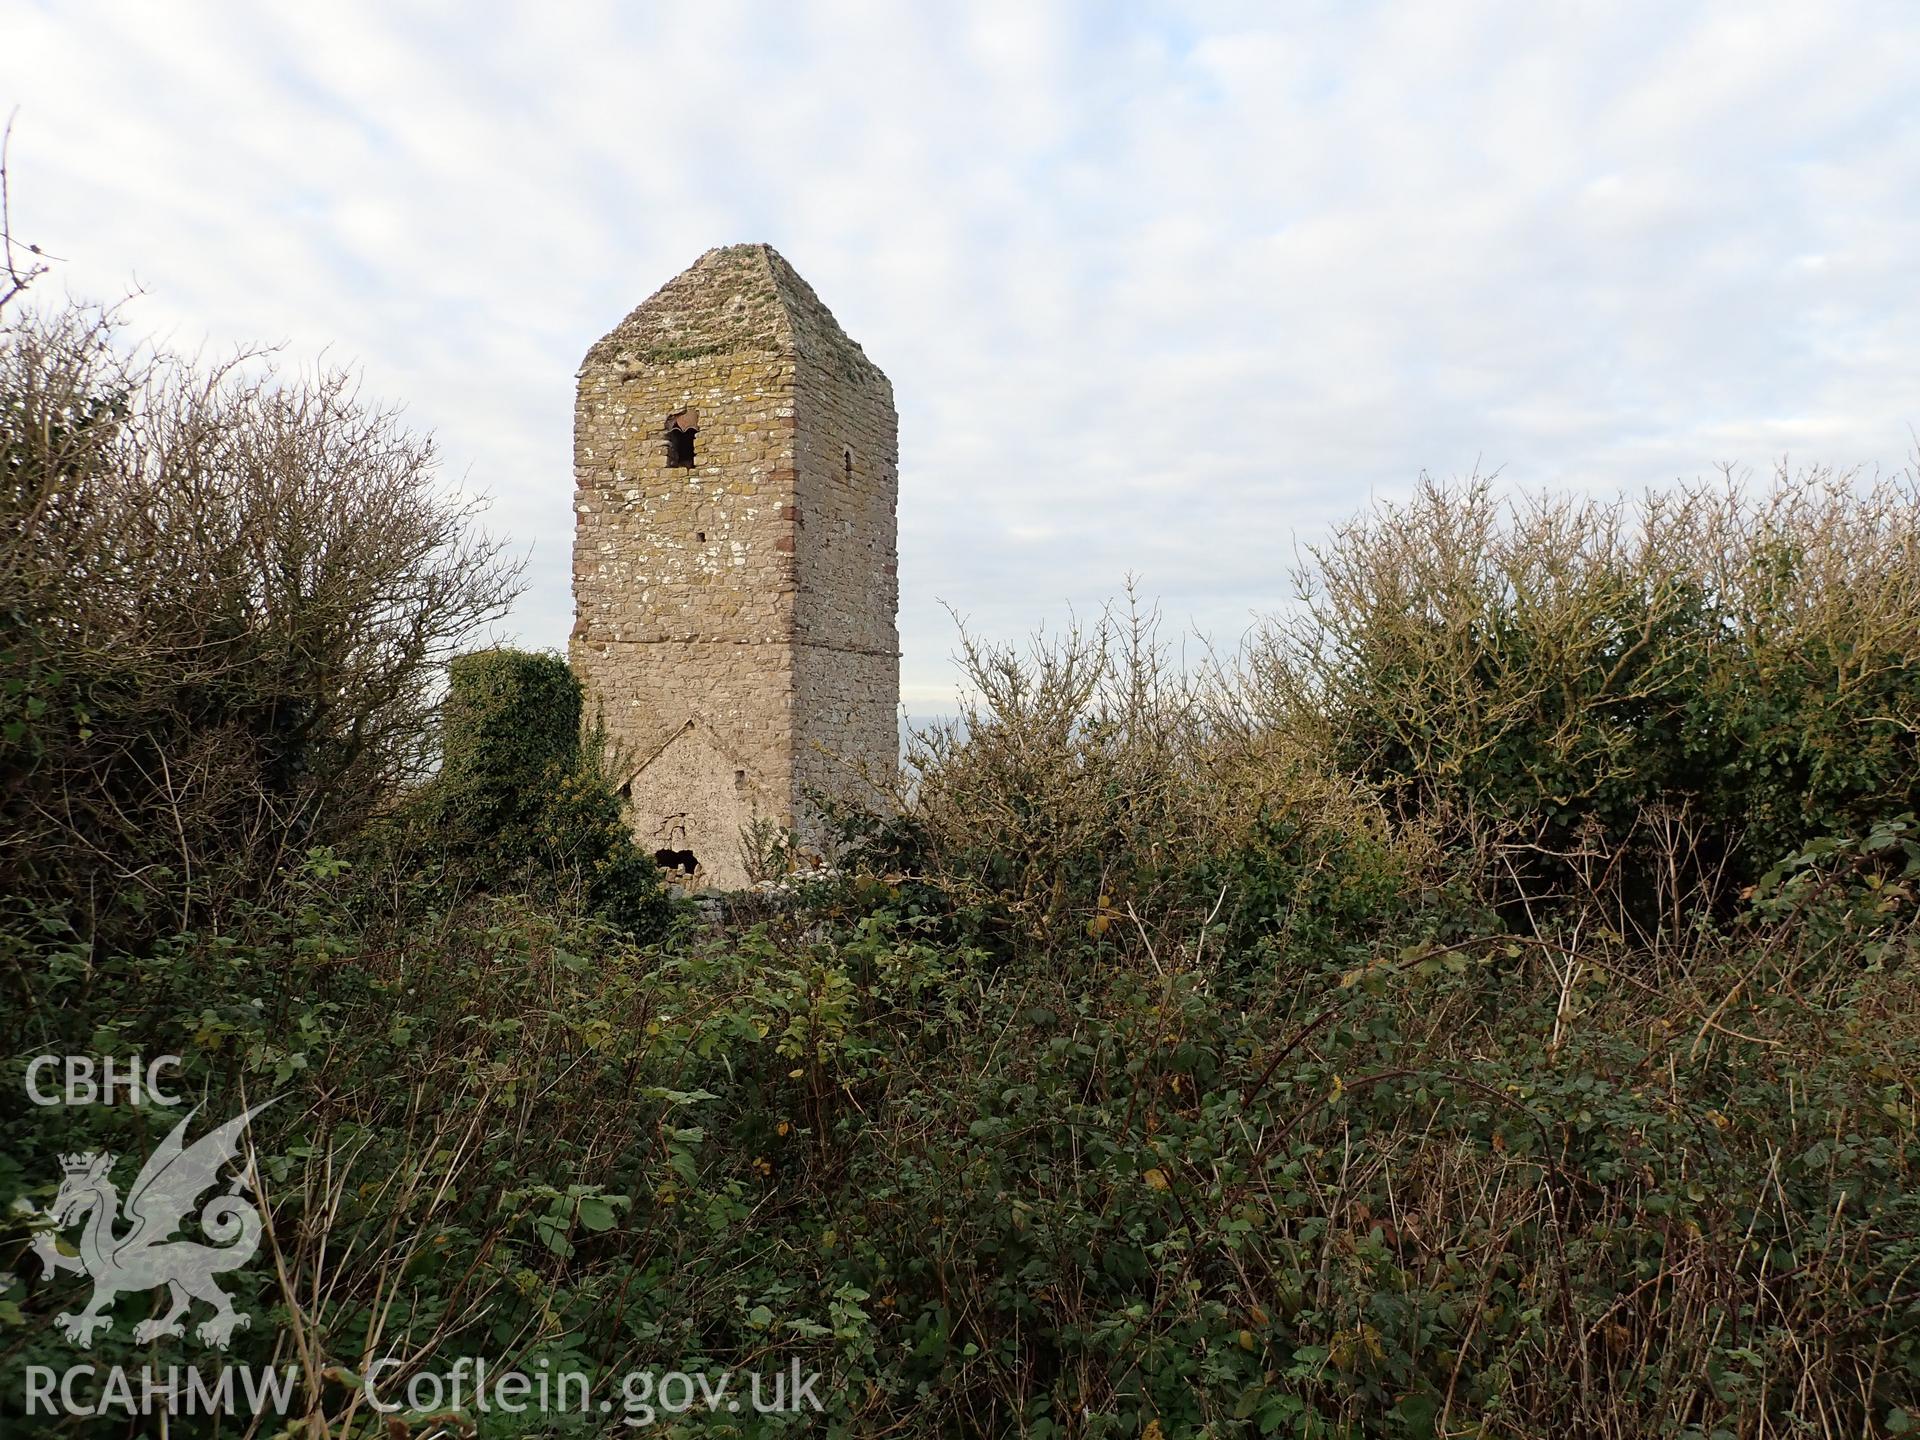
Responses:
[1072,770]
[21,262]
[225,598]
[1090,777]
[1433,636]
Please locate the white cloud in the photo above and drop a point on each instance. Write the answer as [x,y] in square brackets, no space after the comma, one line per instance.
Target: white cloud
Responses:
[1159,289]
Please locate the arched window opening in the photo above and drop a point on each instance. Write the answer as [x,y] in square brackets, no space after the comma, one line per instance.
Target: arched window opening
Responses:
[681,429]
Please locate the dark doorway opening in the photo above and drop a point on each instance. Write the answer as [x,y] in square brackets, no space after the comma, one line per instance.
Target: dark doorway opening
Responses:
[676,860]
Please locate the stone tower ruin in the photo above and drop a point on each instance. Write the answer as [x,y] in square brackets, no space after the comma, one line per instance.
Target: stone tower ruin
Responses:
[735,571]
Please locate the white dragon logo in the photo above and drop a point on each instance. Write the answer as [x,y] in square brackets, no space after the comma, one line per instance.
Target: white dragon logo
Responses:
[146,1256]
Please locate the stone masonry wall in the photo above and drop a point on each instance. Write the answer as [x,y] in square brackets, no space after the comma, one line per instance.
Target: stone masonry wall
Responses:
[847,665]
[735,620]
[684,598]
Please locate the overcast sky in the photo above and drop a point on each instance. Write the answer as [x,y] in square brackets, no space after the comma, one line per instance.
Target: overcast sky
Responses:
[1161,289]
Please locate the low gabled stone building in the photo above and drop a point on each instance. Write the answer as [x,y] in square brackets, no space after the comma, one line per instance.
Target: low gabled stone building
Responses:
[735,565]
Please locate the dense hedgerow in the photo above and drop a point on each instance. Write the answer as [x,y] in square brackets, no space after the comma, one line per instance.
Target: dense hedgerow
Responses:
[1566,671]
